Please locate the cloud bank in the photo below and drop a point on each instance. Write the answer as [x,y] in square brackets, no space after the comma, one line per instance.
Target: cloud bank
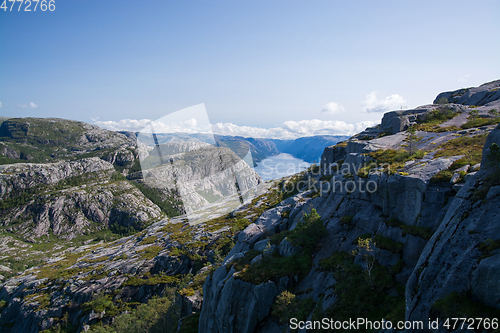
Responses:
[373,104]
[288,130]
[31,105]
[332,108]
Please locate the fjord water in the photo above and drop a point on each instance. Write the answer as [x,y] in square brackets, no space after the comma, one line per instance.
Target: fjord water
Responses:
[281,165]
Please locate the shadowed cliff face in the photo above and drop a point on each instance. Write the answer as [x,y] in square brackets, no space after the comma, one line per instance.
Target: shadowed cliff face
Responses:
[461,261]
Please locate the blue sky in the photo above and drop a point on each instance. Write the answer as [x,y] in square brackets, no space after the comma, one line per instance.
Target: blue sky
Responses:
[317,65]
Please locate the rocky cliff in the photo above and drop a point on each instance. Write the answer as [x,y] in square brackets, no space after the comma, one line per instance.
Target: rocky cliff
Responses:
[460,264]
[60,139]
[68,199]
[397,209]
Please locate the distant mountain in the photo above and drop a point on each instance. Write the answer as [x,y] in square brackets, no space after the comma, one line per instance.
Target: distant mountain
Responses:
[45,140]
[308,148]
[260,148]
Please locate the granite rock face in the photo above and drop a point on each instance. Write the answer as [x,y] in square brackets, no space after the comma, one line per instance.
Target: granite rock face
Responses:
[482,95]
[223,311]
[87,199]
[453,261]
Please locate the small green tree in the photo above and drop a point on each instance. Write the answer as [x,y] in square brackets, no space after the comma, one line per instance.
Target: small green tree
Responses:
[307,234]
[412,139]
[366,249]
[282,306]
[493,112]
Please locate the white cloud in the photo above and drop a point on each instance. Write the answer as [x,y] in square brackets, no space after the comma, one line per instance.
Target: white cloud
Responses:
[31,105]
[289,130]
[131,125]
[463,78]
[373,104]
[134,125]
[332,108]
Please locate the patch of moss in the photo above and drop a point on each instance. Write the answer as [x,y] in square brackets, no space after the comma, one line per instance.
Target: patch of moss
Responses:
[422,232]
[96,260]
[470,147]
[493,179]
[148,240]
[43,300]
[150,252]
[488,246]
[346,220]
[152,280]
[286,306]
[442,176]
[479,122]
[392,160]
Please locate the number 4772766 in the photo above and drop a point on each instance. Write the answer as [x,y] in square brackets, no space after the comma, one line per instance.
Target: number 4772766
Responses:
[29,5]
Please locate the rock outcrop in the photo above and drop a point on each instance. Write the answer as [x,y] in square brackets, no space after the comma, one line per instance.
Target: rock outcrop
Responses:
[68,199]
[482,95]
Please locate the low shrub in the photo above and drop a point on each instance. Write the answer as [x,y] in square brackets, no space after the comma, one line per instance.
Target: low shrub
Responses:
[388,244]
[462,305]
[276,267]
[488,246]
[150,252]
[442,176]
[422,232]
[479,122]
[307,234]
[286,306]
[159,314]
[151,280]
[148,240]
[358,296]
[346,220]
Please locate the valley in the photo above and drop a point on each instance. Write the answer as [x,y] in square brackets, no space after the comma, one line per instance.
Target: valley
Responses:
[396,222]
